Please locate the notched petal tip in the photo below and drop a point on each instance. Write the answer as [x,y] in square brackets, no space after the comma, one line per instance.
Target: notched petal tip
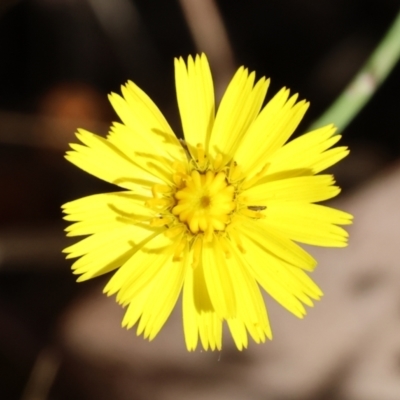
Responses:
[108,290]
[110,96]
[203,58]
[69,254]
[82,276]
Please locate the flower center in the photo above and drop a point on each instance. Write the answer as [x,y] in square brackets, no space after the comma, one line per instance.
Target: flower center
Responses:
[205,202]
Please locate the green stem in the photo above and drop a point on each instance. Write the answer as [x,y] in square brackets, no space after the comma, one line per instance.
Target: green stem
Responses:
[365,83]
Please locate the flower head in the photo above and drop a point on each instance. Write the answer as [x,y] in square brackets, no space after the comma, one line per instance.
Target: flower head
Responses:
[215,216]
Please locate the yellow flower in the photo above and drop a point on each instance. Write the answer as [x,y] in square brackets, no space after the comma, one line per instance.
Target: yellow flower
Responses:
[215,215]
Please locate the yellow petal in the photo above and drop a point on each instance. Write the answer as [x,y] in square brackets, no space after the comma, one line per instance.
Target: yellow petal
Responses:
[105,212]
[239,333]
[309,223]
[309,151]
[298,189]
[190,314]
[151,290]
[104,160]
[135,307]
[105,251]
[140,269]
[275,276]
[199,317]
[270,131]
[195,94]
[218,280]
[164,294]
[238,109]
[140,152]
[210,330]
[138,112]
[273,243]
[251,311]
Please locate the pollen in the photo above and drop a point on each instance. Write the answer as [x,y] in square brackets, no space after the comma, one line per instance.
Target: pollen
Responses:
[205,202]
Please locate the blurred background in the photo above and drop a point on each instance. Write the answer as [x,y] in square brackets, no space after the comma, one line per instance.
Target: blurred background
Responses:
[59,59]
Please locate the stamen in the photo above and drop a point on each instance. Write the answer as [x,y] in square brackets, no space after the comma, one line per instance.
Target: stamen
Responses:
[218,161]
[225,246]
[179,167]
[160,221]
[174,231]
[179,250]
[235,172]
[205,202]
[179,179]
[200,156]
[208,234]
[177,210]
[217,183]
[159,189]
[164,202]
[193,221]
[237,240]
[217,223]
[195,178]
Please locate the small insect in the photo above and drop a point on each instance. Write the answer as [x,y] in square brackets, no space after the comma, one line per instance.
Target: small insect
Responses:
[256,208]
